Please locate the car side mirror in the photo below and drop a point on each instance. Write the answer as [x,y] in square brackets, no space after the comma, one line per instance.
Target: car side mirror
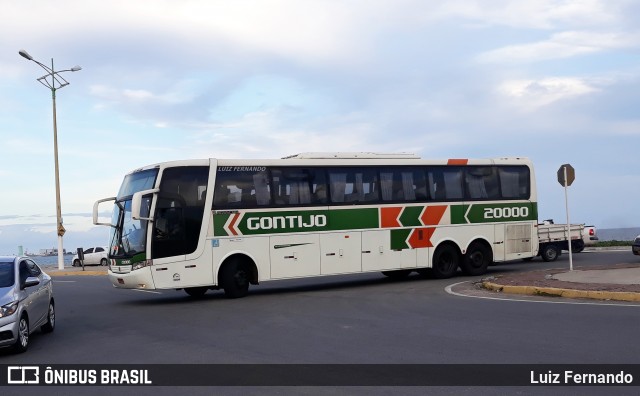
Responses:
[31,281]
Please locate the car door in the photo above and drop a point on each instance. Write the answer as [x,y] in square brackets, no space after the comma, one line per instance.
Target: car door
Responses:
[31,296]
[99,252]
[41,303]
[89,257]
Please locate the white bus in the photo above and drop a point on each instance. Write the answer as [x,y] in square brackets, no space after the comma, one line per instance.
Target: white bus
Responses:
[220,223]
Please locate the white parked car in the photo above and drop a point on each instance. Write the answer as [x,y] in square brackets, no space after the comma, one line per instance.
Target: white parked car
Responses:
[92,256]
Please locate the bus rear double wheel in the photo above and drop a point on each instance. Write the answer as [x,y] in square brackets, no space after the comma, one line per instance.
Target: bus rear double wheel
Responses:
[446,260]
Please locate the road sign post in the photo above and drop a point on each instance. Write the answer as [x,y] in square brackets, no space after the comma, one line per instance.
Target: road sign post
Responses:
[566,176]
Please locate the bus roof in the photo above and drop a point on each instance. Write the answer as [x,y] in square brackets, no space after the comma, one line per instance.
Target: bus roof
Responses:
[352,155]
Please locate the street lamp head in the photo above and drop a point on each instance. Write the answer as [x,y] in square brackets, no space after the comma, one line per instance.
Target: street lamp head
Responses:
[25,54]
[76,68]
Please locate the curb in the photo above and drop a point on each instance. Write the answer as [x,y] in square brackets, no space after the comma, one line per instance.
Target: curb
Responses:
[558,292]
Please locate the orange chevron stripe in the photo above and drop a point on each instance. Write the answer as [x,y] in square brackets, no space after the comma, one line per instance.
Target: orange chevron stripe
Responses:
[433,214]
[421,238]
[233,223]
[389,217]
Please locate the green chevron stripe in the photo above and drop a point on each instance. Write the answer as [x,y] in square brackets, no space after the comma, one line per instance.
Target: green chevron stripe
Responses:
[399,238]
[410,216]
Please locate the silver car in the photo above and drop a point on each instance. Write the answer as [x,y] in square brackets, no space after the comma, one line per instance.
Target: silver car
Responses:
[26,302]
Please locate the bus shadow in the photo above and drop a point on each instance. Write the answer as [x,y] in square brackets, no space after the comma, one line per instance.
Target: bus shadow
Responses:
[322,284]
[280,287]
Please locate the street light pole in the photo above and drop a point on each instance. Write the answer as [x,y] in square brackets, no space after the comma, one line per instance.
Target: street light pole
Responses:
[54,81]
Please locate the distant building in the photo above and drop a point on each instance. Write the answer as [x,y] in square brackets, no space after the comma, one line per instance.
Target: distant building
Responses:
[51,252]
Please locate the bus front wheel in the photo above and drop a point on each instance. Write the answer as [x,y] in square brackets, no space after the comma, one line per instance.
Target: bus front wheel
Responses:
[234,279]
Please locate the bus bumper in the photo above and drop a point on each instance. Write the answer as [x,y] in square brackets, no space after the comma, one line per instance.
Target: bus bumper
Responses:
[138,279]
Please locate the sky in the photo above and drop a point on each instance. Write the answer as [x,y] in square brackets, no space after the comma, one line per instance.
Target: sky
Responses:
[557,81]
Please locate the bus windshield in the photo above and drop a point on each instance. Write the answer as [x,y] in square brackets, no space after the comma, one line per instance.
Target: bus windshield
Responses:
[128,236]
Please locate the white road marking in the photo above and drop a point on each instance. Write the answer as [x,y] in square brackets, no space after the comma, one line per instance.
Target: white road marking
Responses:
[449,290]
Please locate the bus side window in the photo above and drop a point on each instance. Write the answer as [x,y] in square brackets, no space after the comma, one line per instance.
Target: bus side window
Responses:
[514,182]
[320,194]
[453,183]
[241,189]
[337,183]
[436,184]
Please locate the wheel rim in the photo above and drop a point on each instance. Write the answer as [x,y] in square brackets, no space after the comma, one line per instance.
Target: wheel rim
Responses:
[446,262]
[476,259]
[551,254]
[23,332]
[52,315]
[241,279]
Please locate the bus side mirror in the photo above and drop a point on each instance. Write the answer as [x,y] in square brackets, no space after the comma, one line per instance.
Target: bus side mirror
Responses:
[95,211]
[136,204]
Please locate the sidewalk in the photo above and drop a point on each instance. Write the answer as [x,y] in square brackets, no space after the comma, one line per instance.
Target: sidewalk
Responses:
[619,282]
[68,270]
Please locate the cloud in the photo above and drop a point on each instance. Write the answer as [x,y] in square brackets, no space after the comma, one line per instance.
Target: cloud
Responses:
[561,45]
[538,14]
[532,94]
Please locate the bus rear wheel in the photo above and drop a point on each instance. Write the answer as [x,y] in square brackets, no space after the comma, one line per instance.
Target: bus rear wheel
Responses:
[234,279]
[445,262]
[477,259]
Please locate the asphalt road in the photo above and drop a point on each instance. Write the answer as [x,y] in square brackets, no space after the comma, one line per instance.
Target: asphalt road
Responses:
[343,319]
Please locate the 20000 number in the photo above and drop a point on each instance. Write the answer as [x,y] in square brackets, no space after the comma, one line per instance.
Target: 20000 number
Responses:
[502,213]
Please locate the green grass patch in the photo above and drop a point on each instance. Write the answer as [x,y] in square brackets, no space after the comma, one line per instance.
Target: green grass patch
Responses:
[613,243]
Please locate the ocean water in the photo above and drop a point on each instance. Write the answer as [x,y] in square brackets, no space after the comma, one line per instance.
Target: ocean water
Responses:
[52,261]
[618,234]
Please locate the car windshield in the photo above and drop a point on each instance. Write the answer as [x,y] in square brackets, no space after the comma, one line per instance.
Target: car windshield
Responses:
[7,275]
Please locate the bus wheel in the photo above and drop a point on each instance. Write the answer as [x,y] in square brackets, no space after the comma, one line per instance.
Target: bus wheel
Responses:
[476,260]
[397,274]
[550,252]
[196,292]
[445,262]
[234,279]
